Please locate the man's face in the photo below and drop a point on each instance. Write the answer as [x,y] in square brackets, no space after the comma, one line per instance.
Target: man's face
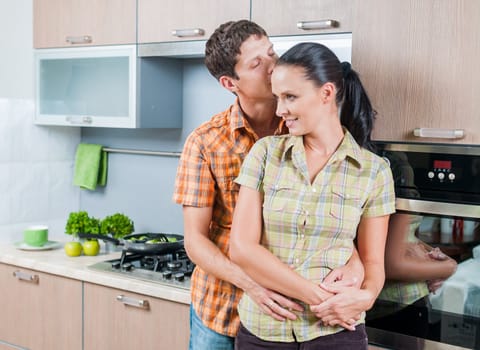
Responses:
[254,68]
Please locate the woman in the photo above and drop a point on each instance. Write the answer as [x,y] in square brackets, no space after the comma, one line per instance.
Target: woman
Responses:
[304,199]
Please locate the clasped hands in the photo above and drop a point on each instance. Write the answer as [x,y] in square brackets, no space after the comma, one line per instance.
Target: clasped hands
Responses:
[341,302]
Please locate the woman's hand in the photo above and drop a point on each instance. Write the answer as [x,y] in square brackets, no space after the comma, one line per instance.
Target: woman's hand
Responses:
[273,304]
[345,307]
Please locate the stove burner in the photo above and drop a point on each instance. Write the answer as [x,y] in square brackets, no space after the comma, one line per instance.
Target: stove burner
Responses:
[172,268]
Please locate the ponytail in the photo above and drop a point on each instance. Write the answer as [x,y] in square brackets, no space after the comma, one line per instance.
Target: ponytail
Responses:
[357,113]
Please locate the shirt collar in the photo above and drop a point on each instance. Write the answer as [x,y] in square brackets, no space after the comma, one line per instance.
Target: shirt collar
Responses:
[238,121]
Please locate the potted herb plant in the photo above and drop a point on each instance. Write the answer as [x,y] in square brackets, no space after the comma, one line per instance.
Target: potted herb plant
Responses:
[77,223]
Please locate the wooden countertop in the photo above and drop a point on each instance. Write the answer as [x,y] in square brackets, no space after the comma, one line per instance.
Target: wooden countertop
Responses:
[56,262]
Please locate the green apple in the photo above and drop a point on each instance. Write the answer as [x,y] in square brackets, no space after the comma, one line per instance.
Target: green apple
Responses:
[91,247]
[73,248]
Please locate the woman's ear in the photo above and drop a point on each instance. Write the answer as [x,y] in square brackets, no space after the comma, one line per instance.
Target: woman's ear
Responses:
[228,83]
[328,92]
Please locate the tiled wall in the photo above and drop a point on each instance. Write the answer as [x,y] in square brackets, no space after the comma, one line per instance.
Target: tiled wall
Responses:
[35,162]
[36,168]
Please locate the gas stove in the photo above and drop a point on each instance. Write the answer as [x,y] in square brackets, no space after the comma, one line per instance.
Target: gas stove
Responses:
[172,269]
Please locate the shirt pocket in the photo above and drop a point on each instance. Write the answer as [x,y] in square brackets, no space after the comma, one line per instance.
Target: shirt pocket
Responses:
[279,198]
[346,207]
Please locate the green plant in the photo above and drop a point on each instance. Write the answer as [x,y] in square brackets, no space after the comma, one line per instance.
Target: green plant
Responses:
[81,222]
[118,225]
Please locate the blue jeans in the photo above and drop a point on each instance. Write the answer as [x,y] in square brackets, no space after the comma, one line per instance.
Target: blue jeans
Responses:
[203,338]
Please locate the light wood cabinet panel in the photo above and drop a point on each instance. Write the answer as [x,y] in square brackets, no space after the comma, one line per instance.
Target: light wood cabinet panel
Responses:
[44,313]
[417,60]
[157,19]
[113,324]
[280,17]
[105,22]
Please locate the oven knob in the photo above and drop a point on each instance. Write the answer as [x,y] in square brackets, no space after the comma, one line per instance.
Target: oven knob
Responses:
[179,276]
[167,274]
[441,176]
[431,175]
[127,266]
[451,176]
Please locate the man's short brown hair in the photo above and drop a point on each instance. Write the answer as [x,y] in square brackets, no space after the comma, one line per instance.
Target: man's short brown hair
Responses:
[223,46]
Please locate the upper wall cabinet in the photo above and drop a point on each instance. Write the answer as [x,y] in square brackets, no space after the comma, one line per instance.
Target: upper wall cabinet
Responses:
[417,60]
[289,17]
[178,20]
[65,23]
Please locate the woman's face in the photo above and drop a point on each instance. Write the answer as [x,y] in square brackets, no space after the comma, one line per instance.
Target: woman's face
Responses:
[299,100]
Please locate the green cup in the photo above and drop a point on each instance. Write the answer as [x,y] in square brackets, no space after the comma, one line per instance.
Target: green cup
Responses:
[35,236]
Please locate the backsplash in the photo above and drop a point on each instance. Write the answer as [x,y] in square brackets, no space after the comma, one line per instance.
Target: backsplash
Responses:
[36,169]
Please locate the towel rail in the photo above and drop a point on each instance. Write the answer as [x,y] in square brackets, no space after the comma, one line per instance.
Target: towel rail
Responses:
[142,152]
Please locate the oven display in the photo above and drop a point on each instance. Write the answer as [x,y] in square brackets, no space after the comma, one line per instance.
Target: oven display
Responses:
[442,164]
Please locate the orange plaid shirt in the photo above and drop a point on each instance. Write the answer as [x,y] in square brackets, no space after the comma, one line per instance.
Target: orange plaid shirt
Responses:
[210,162]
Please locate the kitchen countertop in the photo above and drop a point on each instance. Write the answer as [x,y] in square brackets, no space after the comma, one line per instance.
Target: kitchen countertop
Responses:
[56,262]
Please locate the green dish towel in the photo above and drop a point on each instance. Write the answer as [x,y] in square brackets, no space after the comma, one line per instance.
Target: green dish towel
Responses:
[91,163]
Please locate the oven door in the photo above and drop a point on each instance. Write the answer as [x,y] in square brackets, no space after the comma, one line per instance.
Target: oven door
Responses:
[438,206]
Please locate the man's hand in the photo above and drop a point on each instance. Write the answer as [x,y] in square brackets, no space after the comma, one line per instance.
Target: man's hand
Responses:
[344,308]
[273,304]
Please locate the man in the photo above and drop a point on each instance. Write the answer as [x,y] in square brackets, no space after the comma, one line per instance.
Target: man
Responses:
[241,57]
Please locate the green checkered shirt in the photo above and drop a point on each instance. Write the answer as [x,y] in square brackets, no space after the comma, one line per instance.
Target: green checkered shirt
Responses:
[311,226]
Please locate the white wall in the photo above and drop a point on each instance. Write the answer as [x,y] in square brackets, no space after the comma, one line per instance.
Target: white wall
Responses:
[36,163]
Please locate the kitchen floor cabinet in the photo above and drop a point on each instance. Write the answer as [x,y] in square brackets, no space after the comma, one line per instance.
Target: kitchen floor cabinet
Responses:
[178,20]
[116,319]
[65,23]
[417,60]
[40,311]
[293,17]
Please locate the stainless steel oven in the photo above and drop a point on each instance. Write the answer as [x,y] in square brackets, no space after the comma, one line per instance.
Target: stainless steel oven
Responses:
[437,190]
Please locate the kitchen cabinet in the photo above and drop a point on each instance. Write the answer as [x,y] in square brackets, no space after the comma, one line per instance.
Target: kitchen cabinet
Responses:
[107,86]
[179,20]
[116,319]
[40,311]
[65,23]
[417,61]
[293,17]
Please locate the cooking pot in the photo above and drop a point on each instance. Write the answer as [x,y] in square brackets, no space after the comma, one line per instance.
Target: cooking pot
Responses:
[144,243]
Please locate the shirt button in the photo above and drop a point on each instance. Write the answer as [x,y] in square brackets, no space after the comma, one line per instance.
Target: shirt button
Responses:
[302,236]
[297,261]
[314,190]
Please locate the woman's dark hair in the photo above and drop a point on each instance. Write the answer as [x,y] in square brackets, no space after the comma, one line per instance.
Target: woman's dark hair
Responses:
[321,65]
[223,46]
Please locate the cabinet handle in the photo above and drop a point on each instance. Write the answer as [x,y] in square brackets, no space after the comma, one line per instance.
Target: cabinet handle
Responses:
[320,24]
[188,32]
[439,133]
[24,276]
[143,304]
[83,39]
[79,120]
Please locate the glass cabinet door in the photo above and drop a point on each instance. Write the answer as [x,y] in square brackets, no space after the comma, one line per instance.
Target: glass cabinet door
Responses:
[86,87]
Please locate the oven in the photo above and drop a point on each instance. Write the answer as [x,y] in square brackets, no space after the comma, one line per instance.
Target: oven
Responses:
[437,191]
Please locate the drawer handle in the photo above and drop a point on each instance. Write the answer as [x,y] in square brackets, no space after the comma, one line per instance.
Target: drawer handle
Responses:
[24,276]
[181,33]
[83,39]
[320,24]
[142,304]
[439,133]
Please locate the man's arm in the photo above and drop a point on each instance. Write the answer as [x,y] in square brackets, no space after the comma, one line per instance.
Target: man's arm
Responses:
[208,256]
